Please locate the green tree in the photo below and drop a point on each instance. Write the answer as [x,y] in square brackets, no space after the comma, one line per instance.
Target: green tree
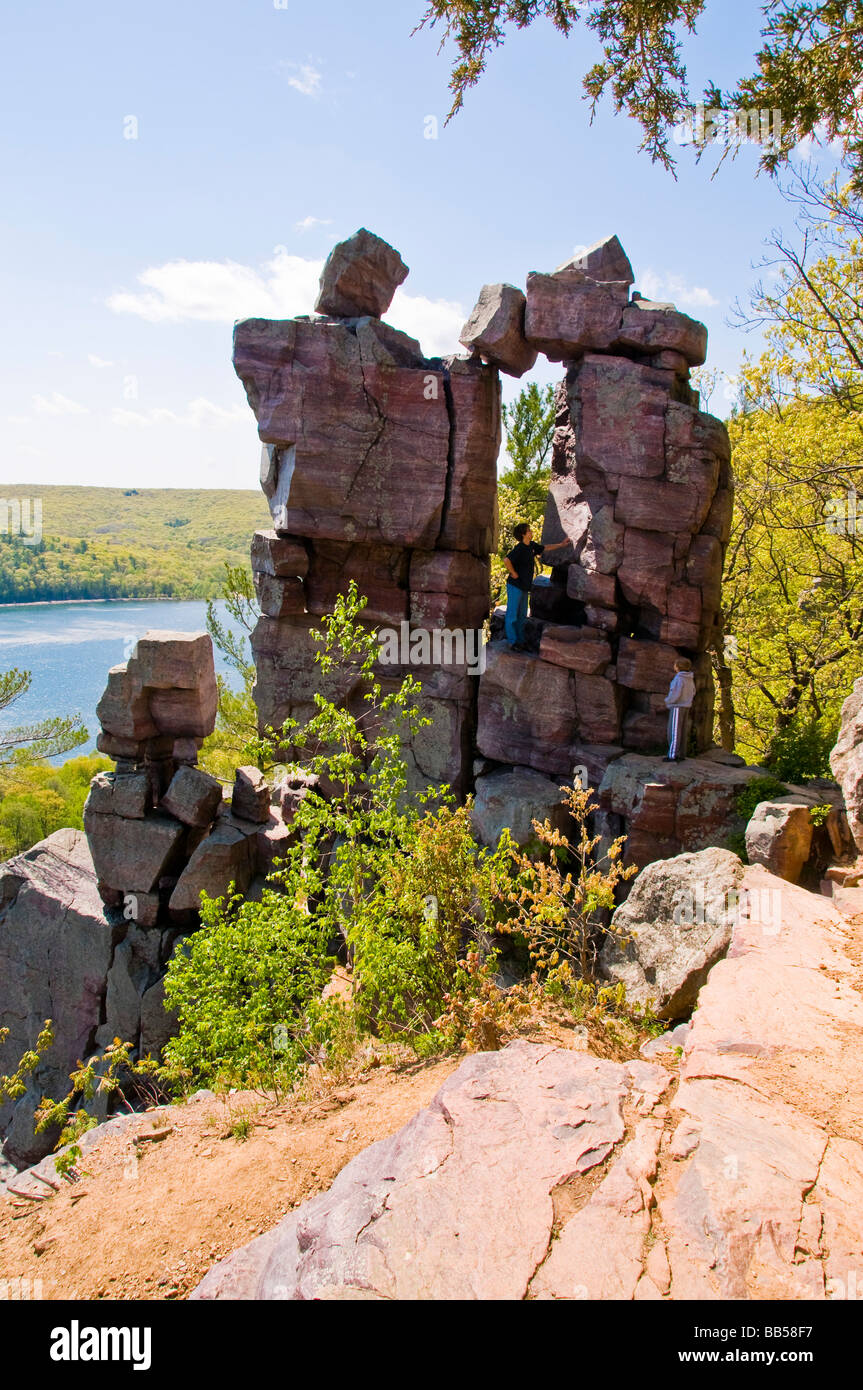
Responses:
[808,66]
[529,428]
[793,594]
[237,717]
[46,738]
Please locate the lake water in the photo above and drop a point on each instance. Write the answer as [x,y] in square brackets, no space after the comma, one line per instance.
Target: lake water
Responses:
[69,648]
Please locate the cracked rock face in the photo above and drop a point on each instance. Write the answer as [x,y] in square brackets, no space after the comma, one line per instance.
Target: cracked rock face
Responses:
[429,1213]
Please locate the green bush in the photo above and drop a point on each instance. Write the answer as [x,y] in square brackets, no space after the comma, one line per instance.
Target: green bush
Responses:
[759,789]
[802,750]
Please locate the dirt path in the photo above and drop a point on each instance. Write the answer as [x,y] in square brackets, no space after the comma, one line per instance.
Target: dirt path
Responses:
[148,1219]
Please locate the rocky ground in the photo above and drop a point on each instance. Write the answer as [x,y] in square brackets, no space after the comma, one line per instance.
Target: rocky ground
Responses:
[538,1172]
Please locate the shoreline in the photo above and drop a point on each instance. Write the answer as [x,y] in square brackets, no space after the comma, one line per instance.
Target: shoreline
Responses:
[158,598]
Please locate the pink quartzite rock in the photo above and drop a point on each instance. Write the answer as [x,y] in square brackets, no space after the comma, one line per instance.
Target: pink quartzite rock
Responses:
[846,760]
[132,855]
[193,797]
[527,711]
[470,512]
[568,313]
[251,795]
[359,450]
[779,836]
[651,327]
[605,260]
[496,329]
[360,276]
[428,1213]
[281,556]
[581,649]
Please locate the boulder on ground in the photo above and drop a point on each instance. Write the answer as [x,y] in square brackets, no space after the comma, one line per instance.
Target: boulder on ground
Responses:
[846,760]
[360,276]
[515,798]
[496,329]
[119,794]
[779,836]
[673,928]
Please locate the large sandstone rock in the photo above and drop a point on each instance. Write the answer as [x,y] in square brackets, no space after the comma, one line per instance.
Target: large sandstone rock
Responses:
[779,836]
[429,1212]
[604,260]
[357,450]
[673,928]
[513,799]
[56,949]
[496,329]
[132,855]
[568,313]
[846,760]
[360,276]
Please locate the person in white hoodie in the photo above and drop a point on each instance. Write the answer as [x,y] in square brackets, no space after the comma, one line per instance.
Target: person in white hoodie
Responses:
[678,702]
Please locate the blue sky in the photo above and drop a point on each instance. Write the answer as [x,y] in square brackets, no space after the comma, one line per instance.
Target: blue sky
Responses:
[262,134]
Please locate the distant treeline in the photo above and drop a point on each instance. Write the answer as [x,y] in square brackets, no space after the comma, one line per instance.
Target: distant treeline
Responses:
[80,543]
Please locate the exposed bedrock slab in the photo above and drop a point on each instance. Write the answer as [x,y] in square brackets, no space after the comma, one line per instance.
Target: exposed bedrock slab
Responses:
[768,1111]
[496,329]
[360,276]
[745,1184]
[428,1213]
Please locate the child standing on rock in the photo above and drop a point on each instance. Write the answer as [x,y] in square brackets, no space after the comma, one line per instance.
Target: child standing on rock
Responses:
[678,702]
[520,566]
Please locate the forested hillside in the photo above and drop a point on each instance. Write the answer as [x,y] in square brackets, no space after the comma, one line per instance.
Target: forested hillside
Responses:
[95,542]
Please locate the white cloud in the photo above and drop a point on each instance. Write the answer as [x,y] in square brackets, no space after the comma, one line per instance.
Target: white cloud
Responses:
[98,361]
[308,80]
[222,291]
[199,414]
[674,288]
[55,404]
[435,322]
[286,285]
[309,222]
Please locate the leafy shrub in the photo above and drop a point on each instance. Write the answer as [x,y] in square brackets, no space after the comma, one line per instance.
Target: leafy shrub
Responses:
[802,750]
[759,789]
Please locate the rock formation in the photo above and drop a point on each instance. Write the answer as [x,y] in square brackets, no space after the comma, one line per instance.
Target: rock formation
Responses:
[96,976]
[379,466]
[745,1183]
